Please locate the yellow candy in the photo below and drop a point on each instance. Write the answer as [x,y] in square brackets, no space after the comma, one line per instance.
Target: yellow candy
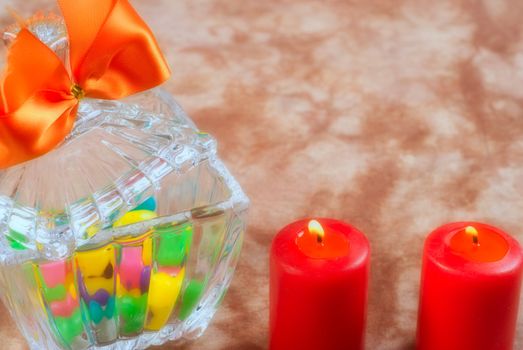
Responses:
[94,262]
[94,284]
[147,252]
[72,291]
[134,217]
[70,284]
[97,267]
[163,294]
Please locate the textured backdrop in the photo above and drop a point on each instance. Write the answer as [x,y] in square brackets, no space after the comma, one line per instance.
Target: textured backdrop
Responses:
[396,116]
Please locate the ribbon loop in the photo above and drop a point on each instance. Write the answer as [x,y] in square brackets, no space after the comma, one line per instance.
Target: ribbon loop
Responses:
[113,54]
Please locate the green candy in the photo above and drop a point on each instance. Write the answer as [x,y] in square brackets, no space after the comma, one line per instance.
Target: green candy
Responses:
[15,244]
[17,236]
[16,240]
[132,307]
[54,294]
[132,313]
[70,327]
[173,245]
[191,297]
[132,327]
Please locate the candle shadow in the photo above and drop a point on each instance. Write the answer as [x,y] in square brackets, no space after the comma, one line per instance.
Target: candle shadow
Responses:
[247,346]
[411,345]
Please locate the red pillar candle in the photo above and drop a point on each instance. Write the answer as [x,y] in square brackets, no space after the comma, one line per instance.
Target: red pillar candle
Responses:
[470,289]
[318,293]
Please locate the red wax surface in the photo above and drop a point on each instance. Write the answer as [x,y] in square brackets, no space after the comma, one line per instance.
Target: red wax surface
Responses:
[490,246]
[318,298]
[470,292]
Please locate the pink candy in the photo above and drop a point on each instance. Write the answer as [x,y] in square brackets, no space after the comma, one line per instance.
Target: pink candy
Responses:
[64,308]
[54,273]
[131,266]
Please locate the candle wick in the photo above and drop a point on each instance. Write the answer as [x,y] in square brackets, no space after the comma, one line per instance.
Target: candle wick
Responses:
[319,238]
[475,239]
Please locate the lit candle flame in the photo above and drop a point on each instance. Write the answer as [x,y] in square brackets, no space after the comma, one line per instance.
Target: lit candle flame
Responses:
[315,228]
[470,230]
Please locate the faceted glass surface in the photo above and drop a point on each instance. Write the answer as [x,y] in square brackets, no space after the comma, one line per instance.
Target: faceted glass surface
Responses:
[126,235]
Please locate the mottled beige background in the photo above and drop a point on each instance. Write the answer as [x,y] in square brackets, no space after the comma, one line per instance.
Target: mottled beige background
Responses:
[396,116]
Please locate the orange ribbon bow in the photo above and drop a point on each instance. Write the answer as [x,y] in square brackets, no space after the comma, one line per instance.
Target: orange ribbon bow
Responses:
[113,54]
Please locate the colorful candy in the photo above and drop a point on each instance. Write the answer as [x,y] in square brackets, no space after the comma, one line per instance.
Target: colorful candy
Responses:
[134,217]
[171,248]
[57,287]
[53,273]
[98,312]
[163,294]
[54,293]
[96,282]
[65,307]
[70,327]
[130,267]
[149,204]
[191,297]
[134,272]
[133,287]
[132,311]
[124,287]
[16,240]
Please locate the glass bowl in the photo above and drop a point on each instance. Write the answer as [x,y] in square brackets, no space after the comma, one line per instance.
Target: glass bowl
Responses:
[126,235]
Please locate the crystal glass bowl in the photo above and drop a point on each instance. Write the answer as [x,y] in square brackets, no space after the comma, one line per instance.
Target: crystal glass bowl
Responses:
[126,235]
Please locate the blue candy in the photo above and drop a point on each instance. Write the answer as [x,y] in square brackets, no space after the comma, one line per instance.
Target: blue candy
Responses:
[149,204]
